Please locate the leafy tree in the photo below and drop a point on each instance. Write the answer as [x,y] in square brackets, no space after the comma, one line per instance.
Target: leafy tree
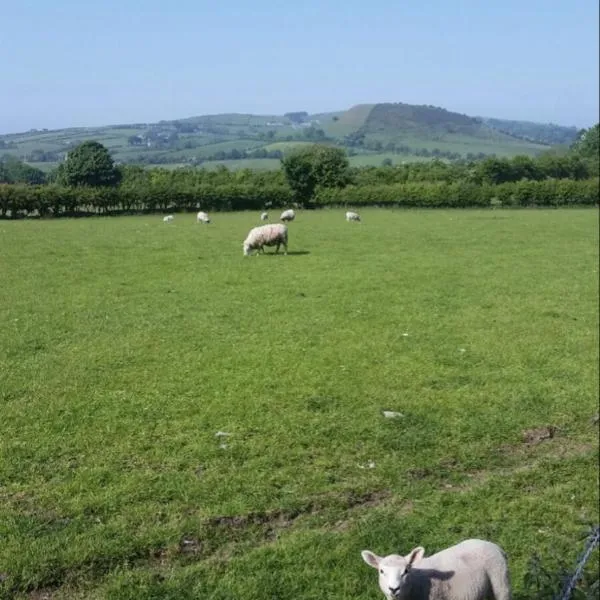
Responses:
[587,144]
[89,164]
[316,166]
[296,117]
[386,162]
[13,170]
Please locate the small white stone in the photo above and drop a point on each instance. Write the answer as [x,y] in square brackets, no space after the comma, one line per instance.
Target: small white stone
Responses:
[390,414]
[222,434]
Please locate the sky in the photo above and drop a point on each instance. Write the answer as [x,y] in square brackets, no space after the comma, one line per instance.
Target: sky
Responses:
[72,63]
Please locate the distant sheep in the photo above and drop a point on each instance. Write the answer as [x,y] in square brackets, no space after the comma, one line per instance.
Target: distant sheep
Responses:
[168,218]
[288,215]
[471,570]
[266,235]
[352,216]
[202,217]
[264,216]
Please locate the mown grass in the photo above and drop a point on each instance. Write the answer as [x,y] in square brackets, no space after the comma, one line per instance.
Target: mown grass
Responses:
[127,344]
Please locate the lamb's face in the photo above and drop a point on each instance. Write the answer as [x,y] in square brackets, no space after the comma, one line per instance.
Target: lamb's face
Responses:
[246,248]
[393,571]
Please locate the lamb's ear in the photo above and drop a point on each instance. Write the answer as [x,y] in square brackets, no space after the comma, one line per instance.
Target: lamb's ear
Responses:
[415,555]
[371,559]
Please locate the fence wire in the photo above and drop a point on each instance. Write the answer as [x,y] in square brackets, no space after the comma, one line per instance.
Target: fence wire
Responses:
[591,543]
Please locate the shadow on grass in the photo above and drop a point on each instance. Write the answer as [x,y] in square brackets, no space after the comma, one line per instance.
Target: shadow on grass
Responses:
[293,253]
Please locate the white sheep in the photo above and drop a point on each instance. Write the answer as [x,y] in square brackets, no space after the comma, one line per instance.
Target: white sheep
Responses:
[288,215]
[168,218]
[274,234]
[471,570]
[352,216]
[202,217]
[264,216]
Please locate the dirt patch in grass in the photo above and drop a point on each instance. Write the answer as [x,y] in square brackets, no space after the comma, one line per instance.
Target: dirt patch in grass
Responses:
[44,594]
[282,519]
[539,434]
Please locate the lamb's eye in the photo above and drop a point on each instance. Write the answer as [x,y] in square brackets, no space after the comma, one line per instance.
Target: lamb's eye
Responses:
[381,571]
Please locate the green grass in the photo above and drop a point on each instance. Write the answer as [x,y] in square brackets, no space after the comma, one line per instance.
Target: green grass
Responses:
[368,160]
[502,146]
[127,344]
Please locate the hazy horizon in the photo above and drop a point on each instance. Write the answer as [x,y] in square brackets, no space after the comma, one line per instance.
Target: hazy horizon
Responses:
[76,65]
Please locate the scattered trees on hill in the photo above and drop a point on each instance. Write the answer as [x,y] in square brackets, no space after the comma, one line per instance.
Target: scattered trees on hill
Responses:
[296,117]
[13,170]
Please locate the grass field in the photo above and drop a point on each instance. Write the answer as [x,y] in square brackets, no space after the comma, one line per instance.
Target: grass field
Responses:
[127,345]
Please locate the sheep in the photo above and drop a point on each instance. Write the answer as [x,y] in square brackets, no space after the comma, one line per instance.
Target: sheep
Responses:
[470,570]
[264,216]
[168,218]
[352,216]
[202,217]
[266,235]
[288,215]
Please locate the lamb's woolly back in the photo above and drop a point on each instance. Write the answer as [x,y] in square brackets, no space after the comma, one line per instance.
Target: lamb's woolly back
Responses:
[288,215]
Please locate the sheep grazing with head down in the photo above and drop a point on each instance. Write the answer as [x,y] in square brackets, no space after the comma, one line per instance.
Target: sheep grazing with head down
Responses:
[168,218]
[202,217]
[264,216]
[471,570]
[352,216]
[266,235]
[288,215]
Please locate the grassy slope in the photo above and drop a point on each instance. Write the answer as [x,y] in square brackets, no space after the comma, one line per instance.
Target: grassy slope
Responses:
[402,124]
[128,344]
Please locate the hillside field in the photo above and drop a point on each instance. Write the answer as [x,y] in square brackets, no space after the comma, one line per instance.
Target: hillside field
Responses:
[182,422]
[365,128]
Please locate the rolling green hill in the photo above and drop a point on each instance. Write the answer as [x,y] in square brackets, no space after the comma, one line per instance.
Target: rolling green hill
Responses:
[405,131]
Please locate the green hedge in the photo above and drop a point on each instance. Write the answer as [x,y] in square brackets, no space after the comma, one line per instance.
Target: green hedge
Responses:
[550,192]
[52,200]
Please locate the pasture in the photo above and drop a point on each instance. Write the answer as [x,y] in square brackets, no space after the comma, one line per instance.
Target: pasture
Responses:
[130,347]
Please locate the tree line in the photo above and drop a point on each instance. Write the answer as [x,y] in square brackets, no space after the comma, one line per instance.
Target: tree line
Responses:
[88,181]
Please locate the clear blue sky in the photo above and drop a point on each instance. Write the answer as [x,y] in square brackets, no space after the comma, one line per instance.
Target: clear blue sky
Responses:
[77,63]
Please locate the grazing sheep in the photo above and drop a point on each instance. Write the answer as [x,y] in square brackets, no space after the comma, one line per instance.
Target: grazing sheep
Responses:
[471,570]
[202,217]
[168,218]
[352,216]
[266,235]
[264,216]
[288,215]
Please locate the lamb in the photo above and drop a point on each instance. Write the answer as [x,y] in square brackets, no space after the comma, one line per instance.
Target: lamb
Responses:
[288,215]
[352,216]
[168,218]
[264,216]
[266,235]
[470,570]
[202,217]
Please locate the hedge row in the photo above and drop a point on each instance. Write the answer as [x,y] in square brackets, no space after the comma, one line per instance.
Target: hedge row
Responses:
[550,192]
[51,200]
